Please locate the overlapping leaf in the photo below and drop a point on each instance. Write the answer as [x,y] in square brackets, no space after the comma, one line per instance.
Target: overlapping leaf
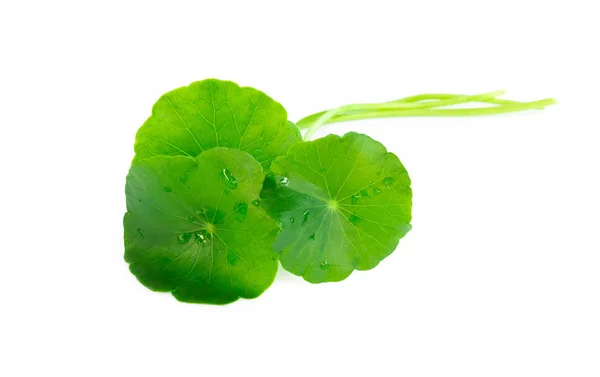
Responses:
[214,113]
[193,226]
[343,204]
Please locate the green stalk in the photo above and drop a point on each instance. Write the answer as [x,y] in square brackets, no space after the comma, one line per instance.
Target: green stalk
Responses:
[438,96]
[409,103]
[433,100]
[420,105]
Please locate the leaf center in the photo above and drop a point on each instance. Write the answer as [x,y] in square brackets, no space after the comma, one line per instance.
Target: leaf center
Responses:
[332,205]
[210,228]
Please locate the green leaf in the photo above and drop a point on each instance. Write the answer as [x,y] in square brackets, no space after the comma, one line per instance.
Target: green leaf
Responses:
[214,113]
[343,204]
[191,227]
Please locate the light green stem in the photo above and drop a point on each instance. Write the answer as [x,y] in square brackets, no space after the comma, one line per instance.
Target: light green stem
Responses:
[420,105]
[306,122]
[439,96]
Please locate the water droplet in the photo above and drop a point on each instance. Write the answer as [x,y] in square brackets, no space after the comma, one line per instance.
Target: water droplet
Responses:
[191,219]
[292,220]
[256,151]
[388,181]
[364,193]
[256,202]
[229,179]
[312,237]
[324,265]
[377,191]
[184,237]
[201,237]
[284,180]
[167,189]
[241,210]
[305,216]
[139,200]
[201,211]
[185,177]
[354,219]
[355,198]
[140,231]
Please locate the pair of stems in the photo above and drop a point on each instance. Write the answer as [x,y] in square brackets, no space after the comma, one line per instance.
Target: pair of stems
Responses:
[420,105]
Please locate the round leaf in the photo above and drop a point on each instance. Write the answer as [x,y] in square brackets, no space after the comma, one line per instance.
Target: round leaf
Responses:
[214,113]
[191,227]
[343,204]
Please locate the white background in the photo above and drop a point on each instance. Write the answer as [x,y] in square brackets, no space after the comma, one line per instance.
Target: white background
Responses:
[499,277]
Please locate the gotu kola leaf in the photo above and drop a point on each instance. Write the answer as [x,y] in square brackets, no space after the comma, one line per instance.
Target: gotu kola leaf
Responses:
[191,226]
[343,204]
[214,113]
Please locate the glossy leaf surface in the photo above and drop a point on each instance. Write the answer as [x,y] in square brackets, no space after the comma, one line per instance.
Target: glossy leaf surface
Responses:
[214,113]
[191,227]
[343,204]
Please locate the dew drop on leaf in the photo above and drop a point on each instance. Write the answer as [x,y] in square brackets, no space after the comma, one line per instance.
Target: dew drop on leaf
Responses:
[167,189]
[191,219]
[241,210]
[185,177]
[312,237]
[229,179]
[324,265]
[292,220]
[355,198]
[388,181]
[256,151]
[183,238]
[284,180]
[256,202]
[377,191]
[201,211]
[140,231]
[354,219]
[201,237]
[305,216]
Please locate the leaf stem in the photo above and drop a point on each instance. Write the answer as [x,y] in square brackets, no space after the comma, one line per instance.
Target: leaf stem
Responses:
[425,101]
[419,105]
[439,96]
